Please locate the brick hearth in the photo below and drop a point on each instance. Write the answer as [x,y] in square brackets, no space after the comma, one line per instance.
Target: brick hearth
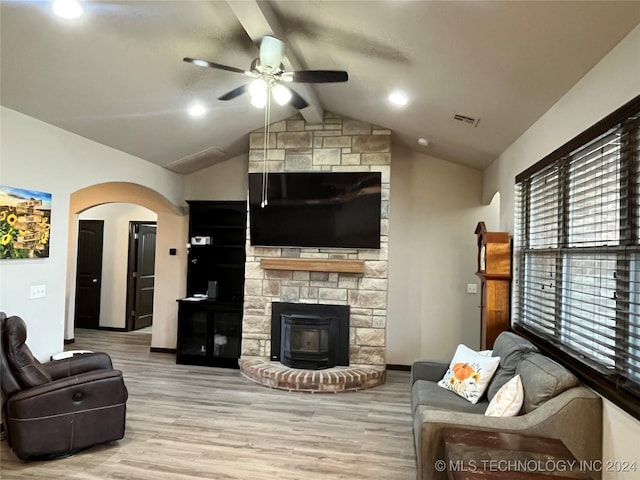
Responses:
[330,380]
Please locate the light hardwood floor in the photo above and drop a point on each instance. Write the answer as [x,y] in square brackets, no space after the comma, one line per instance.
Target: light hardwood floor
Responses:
[186,422]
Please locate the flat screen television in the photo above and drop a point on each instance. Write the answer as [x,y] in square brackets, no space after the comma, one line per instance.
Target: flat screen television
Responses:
[322,209]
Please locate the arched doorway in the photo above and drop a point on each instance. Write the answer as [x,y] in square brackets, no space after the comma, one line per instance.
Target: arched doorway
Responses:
[170,267]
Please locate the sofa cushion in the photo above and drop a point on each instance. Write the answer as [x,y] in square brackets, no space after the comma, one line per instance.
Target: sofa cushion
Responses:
[542,379]
[510,348]
[424,392]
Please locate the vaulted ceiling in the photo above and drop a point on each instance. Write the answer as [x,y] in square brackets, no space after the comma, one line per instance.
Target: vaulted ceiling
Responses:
[116,74]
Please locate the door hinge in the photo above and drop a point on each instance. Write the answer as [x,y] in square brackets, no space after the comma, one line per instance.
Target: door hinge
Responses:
[135,236]
[133,313]
[135,274]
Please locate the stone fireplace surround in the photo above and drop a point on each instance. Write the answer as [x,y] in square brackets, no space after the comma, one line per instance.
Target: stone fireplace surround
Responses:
[354,277]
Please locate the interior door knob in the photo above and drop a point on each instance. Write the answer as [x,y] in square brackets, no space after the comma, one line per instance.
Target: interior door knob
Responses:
[95,280]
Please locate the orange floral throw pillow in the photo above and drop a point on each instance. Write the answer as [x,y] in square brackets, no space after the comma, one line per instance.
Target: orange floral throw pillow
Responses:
[469,373]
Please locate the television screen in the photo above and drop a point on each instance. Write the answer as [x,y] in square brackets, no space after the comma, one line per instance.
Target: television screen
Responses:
[323,209]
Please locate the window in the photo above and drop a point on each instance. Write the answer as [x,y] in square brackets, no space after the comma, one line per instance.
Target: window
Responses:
[577,255]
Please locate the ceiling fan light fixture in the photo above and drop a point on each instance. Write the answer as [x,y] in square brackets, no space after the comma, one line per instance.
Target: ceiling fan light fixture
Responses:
[67,9]
[271,52]
[281,94]
[259,101]
[258,88]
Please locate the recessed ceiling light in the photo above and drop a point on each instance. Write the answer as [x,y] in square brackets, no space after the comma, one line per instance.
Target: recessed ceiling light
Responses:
[67,9]
[423,141]
[398,97]
[197,110]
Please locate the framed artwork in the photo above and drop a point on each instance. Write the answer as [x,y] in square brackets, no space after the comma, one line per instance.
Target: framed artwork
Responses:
[25,223]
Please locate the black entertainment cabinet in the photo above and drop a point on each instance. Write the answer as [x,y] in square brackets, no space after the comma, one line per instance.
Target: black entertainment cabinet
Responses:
[210,318]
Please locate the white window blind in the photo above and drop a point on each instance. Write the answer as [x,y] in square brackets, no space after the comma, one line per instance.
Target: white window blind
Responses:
[577,249]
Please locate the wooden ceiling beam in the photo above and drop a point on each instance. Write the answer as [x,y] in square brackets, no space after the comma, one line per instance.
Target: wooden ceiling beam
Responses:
[258,19]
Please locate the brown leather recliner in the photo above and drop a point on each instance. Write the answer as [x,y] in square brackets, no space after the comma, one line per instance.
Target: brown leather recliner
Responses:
[56,408]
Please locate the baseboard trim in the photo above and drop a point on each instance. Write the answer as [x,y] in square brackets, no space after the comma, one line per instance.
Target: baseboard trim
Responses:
[68,341]
[162,350]
[393,366]
[113,329]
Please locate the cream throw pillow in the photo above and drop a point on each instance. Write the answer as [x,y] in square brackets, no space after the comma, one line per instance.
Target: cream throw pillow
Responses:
[469,373]
[508,401]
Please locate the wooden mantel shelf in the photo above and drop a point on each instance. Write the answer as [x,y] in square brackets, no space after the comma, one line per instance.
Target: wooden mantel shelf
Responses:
[313,265]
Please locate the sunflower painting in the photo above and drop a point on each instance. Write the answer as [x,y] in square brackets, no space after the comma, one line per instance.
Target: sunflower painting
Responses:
[25,223]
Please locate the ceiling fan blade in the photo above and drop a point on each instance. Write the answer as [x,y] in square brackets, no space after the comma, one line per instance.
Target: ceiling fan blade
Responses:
[271,52]
[297,101]
[319,76]
[233,93]
[205,63]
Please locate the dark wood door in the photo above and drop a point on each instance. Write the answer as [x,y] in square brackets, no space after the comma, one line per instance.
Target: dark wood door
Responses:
[89,273]
[144,275]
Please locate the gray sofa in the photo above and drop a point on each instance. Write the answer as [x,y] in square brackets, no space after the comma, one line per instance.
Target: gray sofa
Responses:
[555,405]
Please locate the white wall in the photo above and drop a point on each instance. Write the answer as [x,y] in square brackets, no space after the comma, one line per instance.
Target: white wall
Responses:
[226,180]
[115,257]
[39,156]
[610,84]
[435,206]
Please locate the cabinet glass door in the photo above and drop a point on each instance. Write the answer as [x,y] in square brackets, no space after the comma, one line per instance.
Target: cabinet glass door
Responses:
[193,333]
[226,336]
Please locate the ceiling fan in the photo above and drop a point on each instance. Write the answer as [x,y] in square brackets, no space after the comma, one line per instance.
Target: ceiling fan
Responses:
[269,76]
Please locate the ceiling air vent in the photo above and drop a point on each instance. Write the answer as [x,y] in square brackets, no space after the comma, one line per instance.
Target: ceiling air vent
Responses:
[467,120]
[197,161]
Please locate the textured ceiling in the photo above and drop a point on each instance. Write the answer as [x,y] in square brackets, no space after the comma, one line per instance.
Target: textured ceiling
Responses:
[116,75]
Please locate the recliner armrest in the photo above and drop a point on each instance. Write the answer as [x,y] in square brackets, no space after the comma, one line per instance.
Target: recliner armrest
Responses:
[428,370]
[78,364]
[91,390]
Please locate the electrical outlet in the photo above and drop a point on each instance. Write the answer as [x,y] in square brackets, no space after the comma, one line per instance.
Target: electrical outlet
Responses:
[472,288]
[38,291]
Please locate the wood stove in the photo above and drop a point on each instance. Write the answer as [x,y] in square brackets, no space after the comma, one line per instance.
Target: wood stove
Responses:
[310,336]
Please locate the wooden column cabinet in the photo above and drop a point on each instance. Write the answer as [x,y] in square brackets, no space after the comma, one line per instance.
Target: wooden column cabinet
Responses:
[210,318]
[494,271]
